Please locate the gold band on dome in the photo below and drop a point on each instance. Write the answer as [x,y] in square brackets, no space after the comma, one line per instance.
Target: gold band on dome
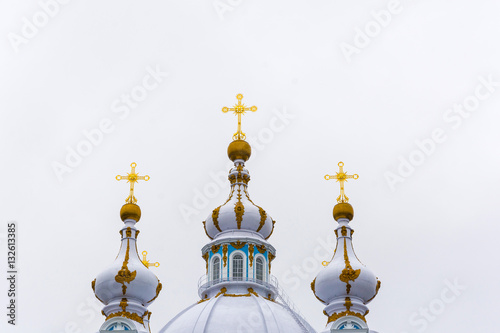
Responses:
[239,109]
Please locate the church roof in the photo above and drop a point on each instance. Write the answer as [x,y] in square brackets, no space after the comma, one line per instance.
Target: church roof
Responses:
[231,314]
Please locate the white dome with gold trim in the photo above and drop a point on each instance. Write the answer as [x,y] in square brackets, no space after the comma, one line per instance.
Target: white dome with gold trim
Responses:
[345,286]
[239,212]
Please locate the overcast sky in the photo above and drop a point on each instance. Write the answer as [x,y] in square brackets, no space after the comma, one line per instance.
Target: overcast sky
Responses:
[405,93]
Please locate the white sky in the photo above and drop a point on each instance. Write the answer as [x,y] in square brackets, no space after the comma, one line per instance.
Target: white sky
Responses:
[438,225]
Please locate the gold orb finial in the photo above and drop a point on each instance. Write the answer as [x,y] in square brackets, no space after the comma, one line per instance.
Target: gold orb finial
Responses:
[130,211]
[239,150]
[239,109]
[343,210]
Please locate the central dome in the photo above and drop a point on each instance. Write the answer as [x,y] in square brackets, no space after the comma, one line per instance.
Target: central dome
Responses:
[229,314]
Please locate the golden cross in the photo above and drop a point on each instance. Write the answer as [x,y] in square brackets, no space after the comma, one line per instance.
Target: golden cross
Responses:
[239,109]
[146,262]
[342,177]
[132,178]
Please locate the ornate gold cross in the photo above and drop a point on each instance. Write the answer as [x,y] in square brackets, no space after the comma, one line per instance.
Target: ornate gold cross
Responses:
[146,262]
[132,178]
[239,109]
[342,177]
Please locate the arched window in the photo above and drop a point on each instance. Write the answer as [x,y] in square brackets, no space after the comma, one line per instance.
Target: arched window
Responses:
[216,269]
[238,267]
[118,327]
[259,269]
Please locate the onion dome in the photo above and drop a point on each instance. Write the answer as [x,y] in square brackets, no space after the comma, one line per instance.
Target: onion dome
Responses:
[346,285]
[239,212]
[127,287]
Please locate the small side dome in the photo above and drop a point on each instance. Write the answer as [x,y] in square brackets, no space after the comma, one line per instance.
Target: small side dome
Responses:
[127,277]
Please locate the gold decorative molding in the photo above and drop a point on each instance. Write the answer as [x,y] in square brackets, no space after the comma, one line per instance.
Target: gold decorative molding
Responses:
[124,274]
[93,285]
[238,245]
[223,292]
[137,233]
[272,230]
[313,288]
[271,258]
[261,248]
[239,210]
[344,231]
[126,314]
[203,300]
[123,304]
[251,291]
[215,218]
[376,291]
[215,248]
[334,316]
[263,217]
[250,254]
[224,252]
[158,289]
[206,256]
[205,228]
[239,178]
[348,273]
[128,232]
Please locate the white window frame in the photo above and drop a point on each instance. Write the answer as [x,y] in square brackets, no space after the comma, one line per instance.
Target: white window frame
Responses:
[245,264]
[264,271]
[211,268]
[122,320]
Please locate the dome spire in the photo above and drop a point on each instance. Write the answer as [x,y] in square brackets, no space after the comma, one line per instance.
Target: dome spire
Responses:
[131,209]
[238,255]
[343,208]
[127,287]
[345,286]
